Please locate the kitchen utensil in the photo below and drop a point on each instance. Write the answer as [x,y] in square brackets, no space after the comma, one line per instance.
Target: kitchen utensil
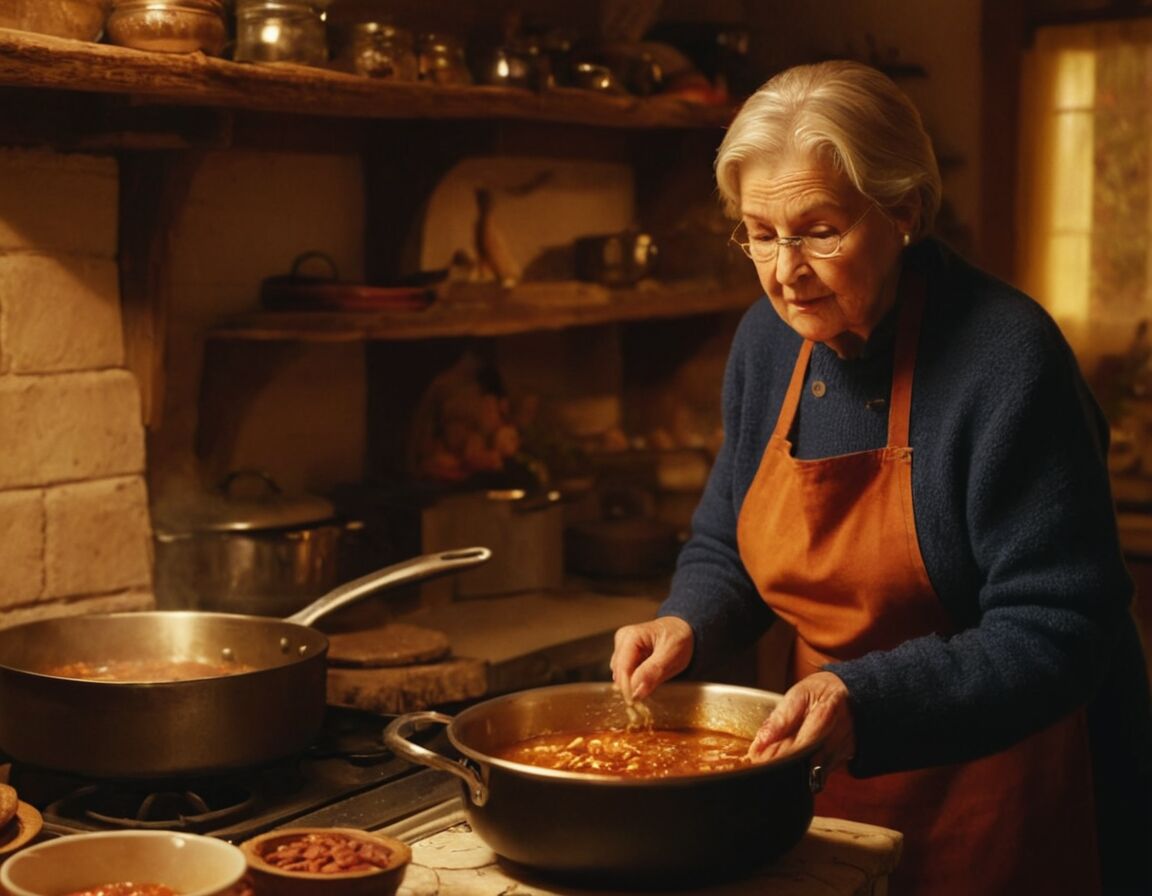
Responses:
[248,547]
[380,50]
[630,547]
[272,879]
[298,291]
[191,864]
[654,832]
[168,26]
[524,530]
[281,31]
[391,644]
[616,259]
[22,829]
[272,708]
[76,19]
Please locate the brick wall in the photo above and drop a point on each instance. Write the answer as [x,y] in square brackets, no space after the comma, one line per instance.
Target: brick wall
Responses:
[75,533]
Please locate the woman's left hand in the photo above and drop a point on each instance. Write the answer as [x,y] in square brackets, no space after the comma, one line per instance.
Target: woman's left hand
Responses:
[815,708]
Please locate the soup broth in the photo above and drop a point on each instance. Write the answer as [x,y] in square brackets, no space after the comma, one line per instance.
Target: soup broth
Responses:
[640,753]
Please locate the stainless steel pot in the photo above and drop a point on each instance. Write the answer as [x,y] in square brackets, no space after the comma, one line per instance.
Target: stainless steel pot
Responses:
[656,832]
[271,709]
[248,547]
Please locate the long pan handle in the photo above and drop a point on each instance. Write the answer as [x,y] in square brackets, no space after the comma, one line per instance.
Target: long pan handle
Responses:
[418,568]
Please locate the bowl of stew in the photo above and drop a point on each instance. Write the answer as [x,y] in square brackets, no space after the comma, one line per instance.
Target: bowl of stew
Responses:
[304,861]
[125,863]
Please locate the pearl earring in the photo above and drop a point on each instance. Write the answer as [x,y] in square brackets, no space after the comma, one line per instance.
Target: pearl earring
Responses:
[907,239]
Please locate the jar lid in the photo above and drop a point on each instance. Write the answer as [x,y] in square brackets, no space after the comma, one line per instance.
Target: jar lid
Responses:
[315,6]
[384,29]
[245,501]
[213,6]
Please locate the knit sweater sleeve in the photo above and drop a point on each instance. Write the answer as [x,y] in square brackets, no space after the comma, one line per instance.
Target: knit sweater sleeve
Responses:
[1017,530]
[710,588]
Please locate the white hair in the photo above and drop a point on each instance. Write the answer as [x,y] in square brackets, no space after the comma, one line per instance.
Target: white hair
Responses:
[846,114]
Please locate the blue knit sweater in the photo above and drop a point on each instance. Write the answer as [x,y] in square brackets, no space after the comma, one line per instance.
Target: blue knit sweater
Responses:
[1013,512]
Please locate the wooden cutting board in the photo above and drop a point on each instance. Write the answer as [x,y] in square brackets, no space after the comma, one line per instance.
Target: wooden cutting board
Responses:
[387,646]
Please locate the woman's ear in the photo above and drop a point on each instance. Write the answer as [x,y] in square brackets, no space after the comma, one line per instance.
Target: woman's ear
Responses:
[906,214]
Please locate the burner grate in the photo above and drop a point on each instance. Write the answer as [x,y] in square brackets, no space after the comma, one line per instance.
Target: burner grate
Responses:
[196,808]
[347,776]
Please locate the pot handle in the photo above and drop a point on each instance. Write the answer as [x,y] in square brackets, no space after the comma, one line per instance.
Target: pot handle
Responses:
[414,570]
[396,740]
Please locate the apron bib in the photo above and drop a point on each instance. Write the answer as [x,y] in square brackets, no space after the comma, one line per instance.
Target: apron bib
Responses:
[831,545]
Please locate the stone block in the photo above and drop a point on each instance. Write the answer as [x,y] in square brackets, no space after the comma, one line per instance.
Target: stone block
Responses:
[21,547]
[59,313]
[119,602]
[98,537]
[69,427]
[57,202]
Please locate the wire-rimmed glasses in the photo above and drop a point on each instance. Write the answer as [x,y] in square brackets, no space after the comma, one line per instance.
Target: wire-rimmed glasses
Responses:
[812,245]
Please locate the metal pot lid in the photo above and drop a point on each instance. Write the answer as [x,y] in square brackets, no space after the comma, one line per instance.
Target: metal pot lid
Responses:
[245,501]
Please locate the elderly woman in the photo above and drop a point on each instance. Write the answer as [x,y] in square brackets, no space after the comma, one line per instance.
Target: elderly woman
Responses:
[914,479]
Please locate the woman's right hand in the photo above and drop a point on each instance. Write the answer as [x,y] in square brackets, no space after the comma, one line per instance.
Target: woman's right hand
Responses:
[649,653]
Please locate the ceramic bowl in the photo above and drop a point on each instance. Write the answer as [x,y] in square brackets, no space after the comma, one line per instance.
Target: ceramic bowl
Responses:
[191,864]
[274,875]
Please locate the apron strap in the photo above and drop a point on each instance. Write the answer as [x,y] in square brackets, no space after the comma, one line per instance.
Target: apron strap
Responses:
[792,396]
[904,362]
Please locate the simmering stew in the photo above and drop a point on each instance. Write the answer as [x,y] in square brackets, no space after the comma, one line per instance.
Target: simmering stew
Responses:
[640,753]
[144,670]
[128,889]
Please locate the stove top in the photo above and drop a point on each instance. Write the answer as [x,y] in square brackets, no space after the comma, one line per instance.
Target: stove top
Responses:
[347,777]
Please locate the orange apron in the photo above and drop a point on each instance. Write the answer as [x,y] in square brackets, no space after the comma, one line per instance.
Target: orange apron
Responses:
[831,545]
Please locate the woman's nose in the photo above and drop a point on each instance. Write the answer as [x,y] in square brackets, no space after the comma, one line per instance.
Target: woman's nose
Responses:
[790,259]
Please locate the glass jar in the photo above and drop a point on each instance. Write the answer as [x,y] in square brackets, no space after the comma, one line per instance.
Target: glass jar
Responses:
[168,26]
[281,31]
[380,50]
[441,59]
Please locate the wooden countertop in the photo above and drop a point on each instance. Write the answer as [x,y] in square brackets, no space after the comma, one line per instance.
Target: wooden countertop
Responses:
[835,858]
[498,644]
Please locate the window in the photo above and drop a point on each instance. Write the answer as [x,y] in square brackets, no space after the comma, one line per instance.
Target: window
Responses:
[1085,227]
[1084,231]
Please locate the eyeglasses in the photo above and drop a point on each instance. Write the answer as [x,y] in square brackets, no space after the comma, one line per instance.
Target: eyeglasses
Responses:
[824,245]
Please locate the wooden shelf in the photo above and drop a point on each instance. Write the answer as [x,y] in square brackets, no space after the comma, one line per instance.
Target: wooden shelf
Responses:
[484,319]
[39,61]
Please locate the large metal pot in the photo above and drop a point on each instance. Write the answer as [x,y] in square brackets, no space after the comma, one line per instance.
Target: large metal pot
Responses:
[248,547]
[655,832]
[273,708]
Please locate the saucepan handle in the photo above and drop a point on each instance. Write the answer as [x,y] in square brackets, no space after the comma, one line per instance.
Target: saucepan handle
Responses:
[414,570]
[396,740]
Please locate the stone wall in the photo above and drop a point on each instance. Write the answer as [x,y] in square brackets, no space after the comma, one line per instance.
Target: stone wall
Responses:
[75,533]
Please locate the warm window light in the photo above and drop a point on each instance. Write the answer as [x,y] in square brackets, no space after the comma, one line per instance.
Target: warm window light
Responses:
[1085,203]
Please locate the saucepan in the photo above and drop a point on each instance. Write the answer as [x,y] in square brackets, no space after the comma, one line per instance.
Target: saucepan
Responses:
[262,698]
[618,831]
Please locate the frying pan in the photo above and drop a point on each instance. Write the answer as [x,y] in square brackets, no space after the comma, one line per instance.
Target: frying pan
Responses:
[273,707]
